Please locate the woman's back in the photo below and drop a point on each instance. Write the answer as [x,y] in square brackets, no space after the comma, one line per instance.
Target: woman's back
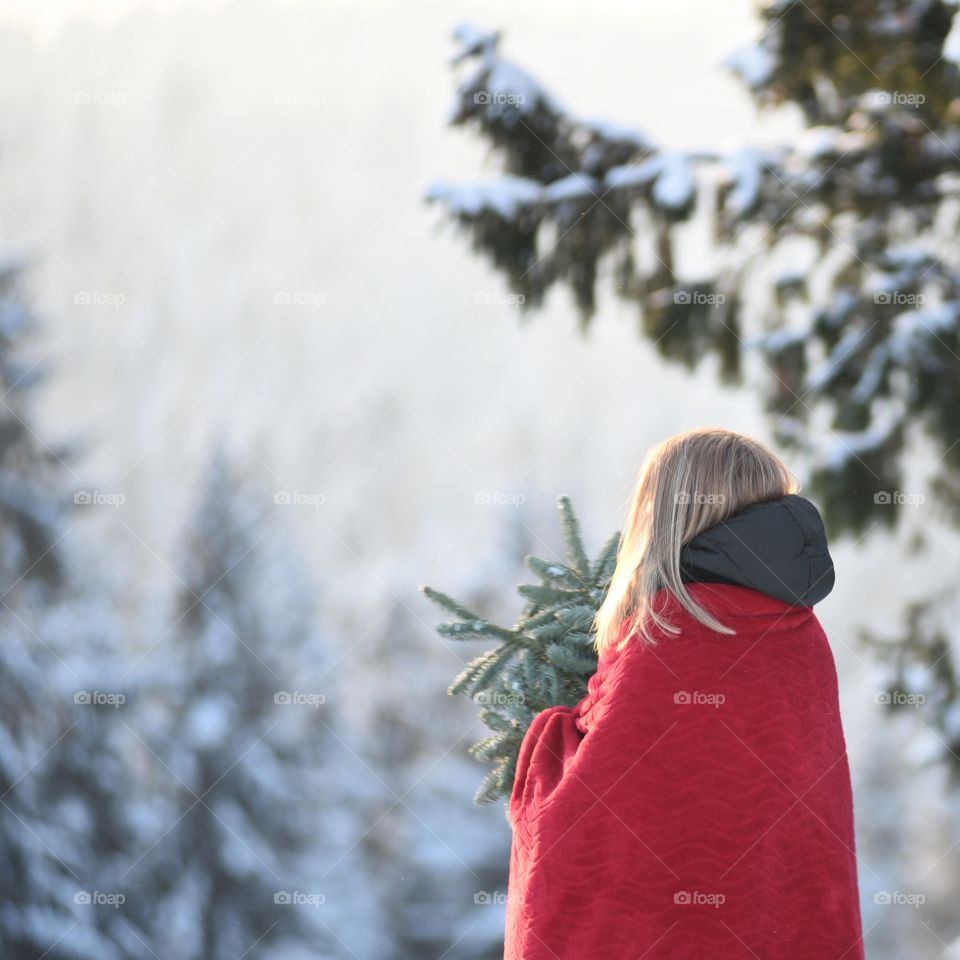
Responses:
[696,803]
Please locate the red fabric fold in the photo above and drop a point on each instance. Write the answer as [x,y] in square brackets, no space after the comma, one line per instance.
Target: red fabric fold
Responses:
[695,804]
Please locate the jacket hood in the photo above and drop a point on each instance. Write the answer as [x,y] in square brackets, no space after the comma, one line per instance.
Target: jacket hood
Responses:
[778,548]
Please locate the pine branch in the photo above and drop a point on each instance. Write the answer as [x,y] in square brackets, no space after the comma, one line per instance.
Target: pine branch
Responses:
[450,605]
[570,529]
[545,660]
[606,562]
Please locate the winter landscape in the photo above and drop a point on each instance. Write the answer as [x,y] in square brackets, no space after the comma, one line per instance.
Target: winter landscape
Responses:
[304,307]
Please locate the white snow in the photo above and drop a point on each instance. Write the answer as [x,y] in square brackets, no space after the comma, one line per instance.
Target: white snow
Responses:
[951,45]
[951,724]
[845,445]
[675,186]
[777,340]
[472,37]
[816,143]
[879,283]
[503,195]
[507,83]
[846,347]
[789,278]
[908,256]
[671,172]
[614,131]
[208,721]
[754,64]
[869,381]
[746,168]
[517,86]
[634,174]
[575,186]
[925,748]
[843,302]
[913,326]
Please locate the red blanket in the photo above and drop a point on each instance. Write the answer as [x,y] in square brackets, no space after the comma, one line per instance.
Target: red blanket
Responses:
[696,804]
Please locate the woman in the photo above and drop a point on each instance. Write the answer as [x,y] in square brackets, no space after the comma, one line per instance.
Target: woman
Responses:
[697,802]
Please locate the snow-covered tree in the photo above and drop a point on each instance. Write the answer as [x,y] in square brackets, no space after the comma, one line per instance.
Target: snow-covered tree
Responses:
[832,286]
[432,857]
[64,777]
[834,267]
[234,730]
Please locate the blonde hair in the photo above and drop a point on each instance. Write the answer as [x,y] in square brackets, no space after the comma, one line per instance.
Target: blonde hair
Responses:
[686,485]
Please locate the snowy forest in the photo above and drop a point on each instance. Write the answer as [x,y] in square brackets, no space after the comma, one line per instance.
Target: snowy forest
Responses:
[311,316]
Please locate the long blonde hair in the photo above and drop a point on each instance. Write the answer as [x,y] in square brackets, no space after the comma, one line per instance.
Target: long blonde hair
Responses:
[686,485]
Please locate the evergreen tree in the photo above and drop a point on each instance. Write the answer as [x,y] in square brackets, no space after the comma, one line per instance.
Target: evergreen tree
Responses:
[834,288]
[921,672]
[90,786]
[834,264]
[235,738]
[545,659]
[64,778]
[430,854]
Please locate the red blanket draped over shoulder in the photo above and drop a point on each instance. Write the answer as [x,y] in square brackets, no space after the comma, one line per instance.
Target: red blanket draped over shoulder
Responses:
[695,804]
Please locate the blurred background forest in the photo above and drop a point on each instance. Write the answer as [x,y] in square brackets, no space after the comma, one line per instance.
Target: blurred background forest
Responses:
[304,306]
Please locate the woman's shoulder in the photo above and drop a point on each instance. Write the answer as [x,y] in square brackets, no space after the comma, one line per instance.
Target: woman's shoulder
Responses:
[748,612]
[730,600]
